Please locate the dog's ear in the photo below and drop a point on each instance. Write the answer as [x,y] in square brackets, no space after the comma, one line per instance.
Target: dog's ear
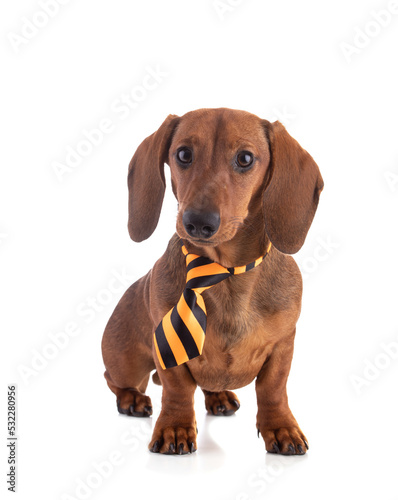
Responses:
[292,194]
[146,181]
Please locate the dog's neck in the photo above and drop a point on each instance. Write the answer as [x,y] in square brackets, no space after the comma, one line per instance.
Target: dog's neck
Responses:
[249,243]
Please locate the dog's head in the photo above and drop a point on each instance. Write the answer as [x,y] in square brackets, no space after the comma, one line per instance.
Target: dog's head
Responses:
[227,166]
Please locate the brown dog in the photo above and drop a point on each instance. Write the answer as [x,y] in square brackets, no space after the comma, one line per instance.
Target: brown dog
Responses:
[241,183]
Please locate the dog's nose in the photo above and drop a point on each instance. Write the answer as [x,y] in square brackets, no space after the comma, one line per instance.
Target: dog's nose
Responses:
[201,224]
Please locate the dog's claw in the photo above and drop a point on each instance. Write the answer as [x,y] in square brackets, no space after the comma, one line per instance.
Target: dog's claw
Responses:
[131,411]
[236,403]
[155,447]
[300,449]
[275,448]
[192,448]
[122,411]
[172,448]
[291,449]
[181,449]
[306,444]
[258,432]
[148,410]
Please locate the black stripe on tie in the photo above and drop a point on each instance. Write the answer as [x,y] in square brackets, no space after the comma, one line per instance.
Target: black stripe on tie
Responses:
[204,281]
[200,315]
[165,350]
[250,266]
[184,334]
[199,261]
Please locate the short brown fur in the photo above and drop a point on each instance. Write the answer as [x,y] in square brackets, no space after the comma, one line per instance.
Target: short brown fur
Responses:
[251,317]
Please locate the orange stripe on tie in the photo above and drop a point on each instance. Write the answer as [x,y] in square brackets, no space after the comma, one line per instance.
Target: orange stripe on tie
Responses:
[158,353]
[258,261]
[239,269]
[191,322]
[206,270]
[202,289]
[201,303]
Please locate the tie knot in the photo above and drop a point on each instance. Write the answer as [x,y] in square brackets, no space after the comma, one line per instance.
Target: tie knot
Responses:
[203,273]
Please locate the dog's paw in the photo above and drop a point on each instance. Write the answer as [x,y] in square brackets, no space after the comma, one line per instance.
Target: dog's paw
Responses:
[133,403]
[285,440]
[221,403]
[173,439]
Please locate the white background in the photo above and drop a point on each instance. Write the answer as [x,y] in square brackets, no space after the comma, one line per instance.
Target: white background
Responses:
[62,241]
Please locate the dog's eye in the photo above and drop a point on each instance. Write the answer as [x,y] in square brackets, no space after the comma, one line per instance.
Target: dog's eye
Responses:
[184,156]
[244,159]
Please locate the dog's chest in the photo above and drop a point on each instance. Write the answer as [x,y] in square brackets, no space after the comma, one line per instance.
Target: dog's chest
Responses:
[224,366]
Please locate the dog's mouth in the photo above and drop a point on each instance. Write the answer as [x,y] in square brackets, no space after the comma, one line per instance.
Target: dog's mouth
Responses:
[201,242]
[222,235]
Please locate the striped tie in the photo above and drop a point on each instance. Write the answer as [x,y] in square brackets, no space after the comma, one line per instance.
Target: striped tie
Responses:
[181,334]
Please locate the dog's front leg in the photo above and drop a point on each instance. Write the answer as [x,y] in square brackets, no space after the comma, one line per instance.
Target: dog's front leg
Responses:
[175,430]
[275,421]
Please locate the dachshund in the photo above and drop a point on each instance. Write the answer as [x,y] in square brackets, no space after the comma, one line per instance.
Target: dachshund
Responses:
[243,185]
